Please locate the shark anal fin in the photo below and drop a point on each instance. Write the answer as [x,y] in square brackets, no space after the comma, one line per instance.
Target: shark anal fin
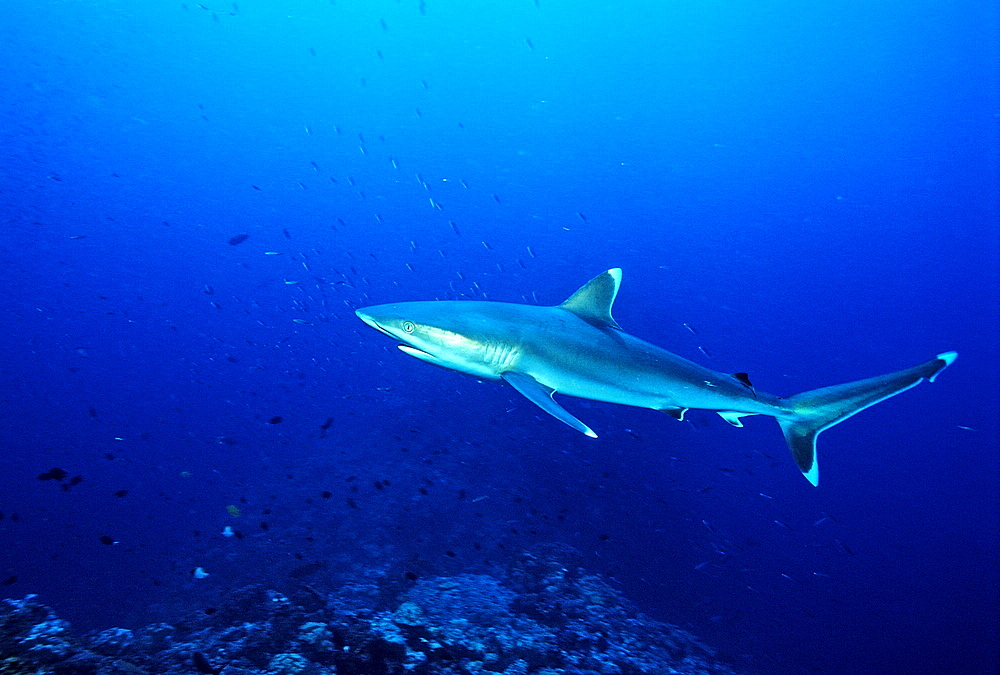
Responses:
[593,301]
[676,413]
[733,417]
[541,396]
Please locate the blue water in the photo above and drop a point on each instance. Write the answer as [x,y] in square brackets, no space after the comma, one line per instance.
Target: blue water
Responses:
[811,188]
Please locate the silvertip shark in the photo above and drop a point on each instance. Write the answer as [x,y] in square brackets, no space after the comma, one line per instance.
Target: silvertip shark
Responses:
[578,349]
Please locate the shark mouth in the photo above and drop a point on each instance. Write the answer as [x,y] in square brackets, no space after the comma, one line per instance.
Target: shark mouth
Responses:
[413,351]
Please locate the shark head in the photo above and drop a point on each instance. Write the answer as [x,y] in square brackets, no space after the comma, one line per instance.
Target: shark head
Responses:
[433,332]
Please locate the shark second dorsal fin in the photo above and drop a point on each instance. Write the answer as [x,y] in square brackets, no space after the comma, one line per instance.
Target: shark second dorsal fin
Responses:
[593,301]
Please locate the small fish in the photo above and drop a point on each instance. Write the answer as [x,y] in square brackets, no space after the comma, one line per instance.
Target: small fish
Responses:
[240,238]
[55,474]
[845,547]
[277,419]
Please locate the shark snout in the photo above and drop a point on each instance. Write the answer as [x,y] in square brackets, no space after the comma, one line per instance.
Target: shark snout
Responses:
[370,320]
[366,315]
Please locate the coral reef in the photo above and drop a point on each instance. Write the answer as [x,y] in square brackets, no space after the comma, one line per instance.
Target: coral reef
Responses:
[547,617]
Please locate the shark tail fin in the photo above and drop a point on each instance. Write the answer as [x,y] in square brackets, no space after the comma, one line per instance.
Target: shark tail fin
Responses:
[809,413]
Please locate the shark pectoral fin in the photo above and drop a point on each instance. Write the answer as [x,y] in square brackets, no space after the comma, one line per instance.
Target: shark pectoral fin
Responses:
[733,417]
[676,413]
[541,396]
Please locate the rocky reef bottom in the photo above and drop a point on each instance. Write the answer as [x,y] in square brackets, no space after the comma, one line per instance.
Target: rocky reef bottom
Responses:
[545,617]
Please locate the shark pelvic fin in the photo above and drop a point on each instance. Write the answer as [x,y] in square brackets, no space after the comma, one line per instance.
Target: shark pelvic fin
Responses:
[593,301]
[541,396]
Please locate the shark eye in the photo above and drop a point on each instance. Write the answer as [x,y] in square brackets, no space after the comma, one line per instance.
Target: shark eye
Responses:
[407,327]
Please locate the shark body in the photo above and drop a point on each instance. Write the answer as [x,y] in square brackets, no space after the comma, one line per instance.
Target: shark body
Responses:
[577,349]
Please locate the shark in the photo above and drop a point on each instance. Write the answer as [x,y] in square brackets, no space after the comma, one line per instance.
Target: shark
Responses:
[577,349]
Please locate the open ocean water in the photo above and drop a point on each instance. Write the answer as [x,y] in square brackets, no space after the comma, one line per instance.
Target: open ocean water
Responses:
[194,199]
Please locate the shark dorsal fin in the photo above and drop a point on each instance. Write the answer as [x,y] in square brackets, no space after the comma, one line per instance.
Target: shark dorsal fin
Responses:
[593,301]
